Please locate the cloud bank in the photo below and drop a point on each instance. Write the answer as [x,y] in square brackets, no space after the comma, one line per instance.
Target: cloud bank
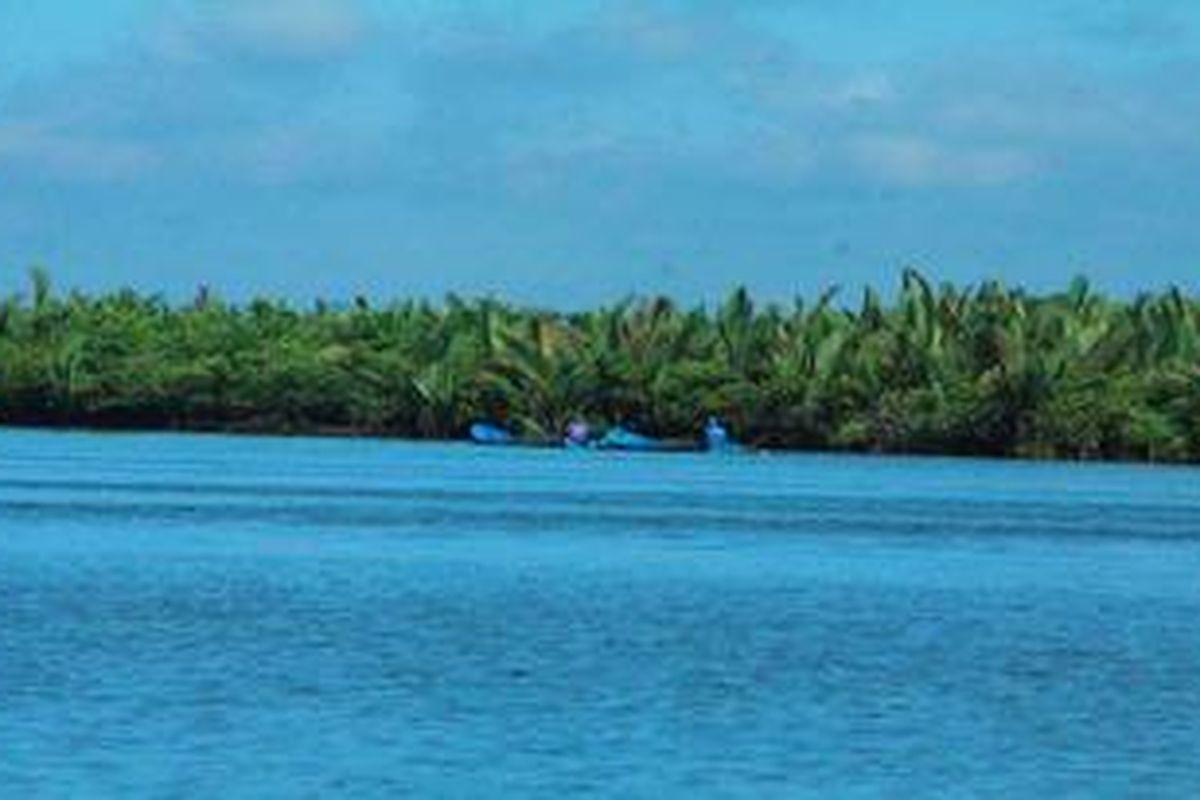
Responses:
[653,133]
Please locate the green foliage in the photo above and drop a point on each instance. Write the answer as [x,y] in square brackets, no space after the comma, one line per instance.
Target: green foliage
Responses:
[941,369]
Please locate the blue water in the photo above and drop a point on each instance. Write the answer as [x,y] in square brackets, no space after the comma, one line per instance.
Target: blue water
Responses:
[221,617]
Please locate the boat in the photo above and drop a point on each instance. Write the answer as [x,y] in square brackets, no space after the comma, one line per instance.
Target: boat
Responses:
[489,434]
[716,439]
[622,438]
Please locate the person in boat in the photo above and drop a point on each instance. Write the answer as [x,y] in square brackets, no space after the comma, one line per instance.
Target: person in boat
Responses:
[578,434]
[716,435]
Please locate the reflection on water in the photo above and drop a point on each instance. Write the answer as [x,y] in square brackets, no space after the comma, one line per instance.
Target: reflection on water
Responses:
[204,616]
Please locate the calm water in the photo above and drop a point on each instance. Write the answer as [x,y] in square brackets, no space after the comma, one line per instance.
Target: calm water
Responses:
[214,617]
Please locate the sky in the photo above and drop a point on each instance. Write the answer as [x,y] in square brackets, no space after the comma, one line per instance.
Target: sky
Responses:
[570,153]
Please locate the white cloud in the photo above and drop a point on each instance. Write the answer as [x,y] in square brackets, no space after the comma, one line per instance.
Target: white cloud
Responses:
[293,30]
[658,36]
[652,94]
[859,91]
[288,154]
[63,154]
[1157,24]
[917,161]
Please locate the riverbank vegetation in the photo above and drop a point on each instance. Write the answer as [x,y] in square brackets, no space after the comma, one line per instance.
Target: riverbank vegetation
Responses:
[984,370]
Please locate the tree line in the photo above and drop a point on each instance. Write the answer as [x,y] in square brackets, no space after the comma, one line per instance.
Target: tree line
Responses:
[986,370]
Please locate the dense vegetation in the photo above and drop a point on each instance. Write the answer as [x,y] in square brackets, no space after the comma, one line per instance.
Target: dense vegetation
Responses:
[986,370]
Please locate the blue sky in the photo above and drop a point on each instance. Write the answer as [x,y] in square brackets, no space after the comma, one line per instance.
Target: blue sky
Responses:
[570,153]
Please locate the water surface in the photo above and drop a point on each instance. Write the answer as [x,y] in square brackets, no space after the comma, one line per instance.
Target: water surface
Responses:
[238,617]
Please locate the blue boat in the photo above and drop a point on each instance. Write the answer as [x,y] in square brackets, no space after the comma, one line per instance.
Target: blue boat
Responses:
[621,438]
[487,433]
